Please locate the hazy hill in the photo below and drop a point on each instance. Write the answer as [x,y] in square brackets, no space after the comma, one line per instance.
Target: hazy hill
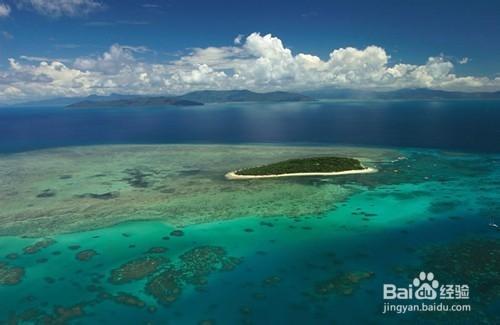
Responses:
[417,93]
[224,96]
[136,102]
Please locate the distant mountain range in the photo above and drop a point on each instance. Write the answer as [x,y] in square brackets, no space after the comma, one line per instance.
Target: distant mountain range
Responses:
[417,94]
[135,102]
[189,99]
[65,101]
[194,98]
[226,96]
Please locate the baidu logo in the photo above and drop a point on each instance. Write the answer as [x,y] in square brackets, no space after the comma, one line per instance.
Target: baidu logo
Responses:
[425,293]
[426,286]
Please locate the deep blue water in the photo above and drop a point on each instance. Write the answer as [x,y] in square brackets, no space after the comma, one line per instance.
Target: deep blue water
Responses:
[454,125]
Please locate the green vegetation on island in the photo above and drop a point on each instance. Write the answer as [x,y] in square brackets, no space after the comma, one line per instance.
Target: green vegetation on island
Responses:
[305,165]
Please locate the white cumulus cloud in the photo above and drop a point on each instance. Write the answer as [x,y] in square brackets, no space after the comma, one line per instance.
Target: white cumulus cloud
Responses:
[260,63]
[4,10]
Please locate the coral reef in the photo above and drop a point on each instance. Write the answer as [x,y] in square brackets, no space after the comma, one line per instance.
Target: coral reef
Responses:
[10,275]
[39,245]
[46,193]
[165,287]
[136,269]
[85,255]
[475,262]
[194,268]
[128,299]
[177,233]
[342,284]
[157,250]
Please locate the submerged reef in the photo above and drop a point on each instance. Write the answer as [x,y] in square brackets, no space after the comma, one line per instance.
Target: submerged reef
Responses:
[177,233]
[157,250]
[136,269]
[342,284]
[39,245]
[128,299]
[475,262]
[145,182]
[59,315]
[46,193]
[194,268]
[199,262]
[10,275]
[86,255]
[136,177]
[166,287]
[103,196]
[272,280]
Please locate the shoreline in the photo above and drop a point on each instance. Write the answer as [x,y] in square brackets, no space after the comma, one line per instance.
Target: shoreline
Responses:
[233,176]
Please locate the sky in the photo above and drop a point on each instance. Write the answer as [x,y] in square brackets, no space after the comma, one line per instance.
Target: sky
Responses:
[66,48]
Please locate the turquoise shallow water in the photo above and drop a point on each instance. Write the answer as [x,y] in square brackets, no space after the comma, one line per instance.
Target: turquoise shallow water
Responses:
[384,231]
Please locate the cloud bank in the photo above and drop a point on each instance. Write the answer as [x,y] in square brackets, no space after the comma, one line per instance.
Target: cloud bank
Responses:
[257,62]
[57,8]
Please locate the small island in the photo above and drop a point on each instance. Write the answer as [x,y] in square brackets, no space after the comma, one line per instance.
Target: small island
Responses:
[316,166]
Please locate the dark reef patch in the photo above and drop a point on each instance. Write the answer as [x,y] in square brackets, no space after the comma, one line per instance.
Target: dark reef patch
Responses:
[49,279]
[136,269]
[12,256]
[85,255]
[128,300]
[471,261]
[136,178]
[39,245]
[194,268]
[165,287]
[271,280]
[201,261]
[10,275]
[62,315]
[103,196]
[177,233]
[267,224]
[157,250]
[46,193]
[439,207]
[342,284]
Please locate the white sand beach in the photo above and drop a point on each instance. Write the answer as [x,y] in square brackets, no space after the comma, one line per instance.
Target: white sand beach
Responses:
[234,176]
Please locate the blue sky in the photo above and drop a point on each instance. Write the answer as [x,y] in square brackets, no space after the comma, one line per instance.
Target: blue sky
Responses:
[157,32]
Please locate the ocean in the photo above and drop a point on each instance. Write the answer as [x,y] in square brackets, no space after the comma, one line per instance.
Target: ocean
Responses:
[468,125]
[124,215]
